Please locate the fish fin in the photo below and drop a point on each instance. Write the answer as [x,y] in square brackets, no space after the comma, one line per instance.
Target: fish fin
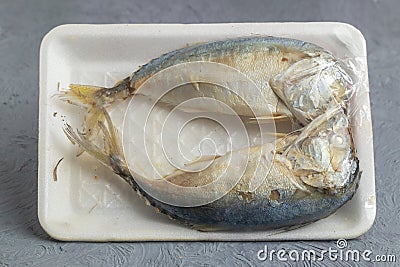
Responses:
[269,118]
[278,135]
[98,122]
[95,96]
[91,122]
[176,172]
[110,153]
[190,109]
[202,158]
[193,44]
[196,86]
[81,140]
[81,95]
[298,184]
[80,152]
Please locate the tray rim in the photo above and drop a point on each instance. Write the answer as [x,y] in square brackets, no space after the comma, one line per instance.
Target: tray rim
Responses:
[42,194]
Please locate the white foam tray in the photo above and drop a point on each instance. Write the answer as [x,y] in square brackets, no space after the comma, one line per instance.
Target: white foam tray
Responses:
[80,207]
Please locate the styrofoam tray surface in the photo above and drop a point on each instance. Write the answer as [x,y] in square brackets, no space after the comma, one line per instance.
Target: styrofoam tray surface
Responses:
[89,202]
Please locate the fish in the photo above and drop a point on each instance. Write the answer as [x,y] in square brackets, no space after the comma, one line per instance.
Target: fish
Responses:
[305,176]
[261,59]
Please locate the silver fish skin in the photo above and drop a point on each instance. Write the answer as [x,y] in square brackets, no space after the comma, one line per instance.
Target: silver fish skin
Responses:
[279,201]
[314,172]
[261,59]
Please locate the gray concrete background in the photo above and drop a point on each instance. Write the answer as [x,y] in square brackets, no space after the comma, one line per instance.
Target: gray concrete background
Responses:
[24,23]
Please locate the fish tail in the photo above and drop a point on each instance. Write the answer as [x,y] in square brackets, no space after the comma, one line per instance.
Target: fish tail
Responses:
[97,122]
[109,152]
[86,97]
[96,96]
[83,95]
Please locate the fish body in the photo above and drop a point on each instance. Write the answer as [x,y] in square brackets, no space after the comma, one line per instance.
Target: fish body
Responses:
[313,171]
[259,58]
[283,199]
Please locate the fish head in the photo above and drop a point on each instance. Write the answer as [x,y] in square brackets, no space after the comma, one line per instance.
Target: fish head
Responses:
[323,155]
[311,86]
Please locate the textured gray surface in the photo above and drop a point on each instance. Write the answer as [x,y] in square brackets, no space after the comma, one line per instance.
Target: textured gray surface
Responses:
[24,23]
